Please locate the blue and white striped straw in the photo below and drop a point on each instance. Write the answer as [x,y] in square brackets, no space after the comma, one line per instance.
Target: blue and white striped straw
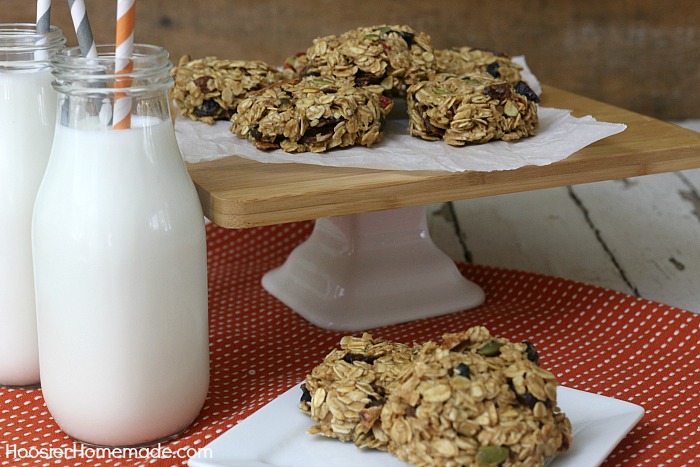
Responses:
[83,31]
[43,16]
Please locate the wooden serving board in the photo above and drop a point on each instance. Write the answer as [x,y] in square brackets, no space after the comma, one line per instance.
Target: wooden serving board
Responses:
[237,192]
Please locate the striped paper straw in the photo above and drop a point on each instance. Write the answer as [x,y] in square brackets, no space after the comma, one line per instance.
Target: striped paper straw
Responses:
[43,16]
[123,64]
[83,31]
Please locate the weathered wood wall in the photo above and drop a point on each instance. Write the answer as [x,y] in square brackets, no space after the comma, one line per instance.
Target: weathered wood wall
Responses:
[638,54]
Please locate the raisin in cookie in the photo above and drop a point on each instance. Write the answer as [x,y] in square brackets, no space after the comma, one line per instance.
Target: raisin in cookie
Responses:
[473,108]
[345,393]
[468,60]
[312,114]
[209,89]
[391,56]
[485,402]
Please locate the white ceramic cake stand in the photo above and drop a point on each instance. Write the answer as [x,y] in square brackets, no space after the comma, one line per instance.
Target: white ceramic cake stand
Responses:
[361,271]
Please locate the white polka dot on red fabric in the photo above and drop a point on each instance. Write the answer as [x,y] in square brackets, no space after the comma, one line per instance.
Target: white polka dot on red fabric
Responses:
[593,339]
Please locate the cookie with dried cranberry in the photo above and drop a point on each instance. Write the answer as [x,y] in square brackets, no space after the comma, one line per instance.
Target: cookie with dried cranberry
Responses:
[393,56]
[469,60]
[209,89]
[475,400]
[313,114]
[471,109]
[344,394]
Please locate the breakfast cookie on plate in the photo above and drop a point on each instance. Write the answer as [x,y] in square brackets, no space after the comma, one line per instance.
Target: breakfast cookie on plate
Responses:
[473,399]
[391,56]
[473,108]
[468,60]
[485,401]
[209,89]
[345,393]
[312,114]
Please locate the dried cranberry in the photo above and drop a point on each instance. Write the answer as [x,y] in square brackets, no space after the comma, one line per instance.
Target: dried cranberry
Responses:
[527,399]
[531,353]
[378,389]
[264,145]
[492,69]
[462,370]
[365,79]
[524,90]
[499,91]
[255,133]
[209,108]
[305,394]
[201,83]
[325,126]
[353,357]
[374,402]
[408,37]
[385,101]
[429,127]
[461,346]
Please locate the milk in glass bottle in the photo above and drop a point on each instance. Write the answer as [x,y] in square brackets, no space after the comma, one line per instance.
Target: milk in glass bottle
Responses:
[119,260]
[27,119]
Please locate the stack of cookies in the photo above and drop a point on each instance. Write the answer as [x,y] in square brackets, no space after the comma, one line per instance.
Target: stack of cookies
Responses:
[339,92]
[474,399]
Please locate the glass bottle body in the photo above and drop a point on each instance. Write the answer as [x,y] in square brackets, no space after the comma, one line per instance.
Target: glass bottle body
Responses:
[27,120]
[120,264]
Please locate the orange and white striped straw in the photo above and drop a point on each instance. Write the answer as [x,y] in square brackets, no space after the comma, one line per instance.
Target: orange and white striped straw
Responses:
[123,64]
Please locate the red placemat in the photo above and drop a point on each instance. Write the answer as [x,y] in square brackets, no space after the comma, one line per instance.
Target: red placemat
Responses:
[593,339]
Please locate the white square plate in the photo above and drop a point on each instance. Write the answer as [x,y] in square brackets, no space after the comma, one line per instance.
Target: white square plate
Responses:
[275,436]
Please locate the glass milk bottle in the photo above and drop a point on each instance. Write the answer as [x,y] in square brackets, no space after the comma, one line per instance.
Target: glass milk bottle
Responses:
[119,260]
[27,120]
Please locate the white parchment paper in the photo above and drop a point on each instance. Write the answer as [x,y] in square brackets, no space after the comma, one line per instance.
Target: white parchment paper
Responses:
[559,135]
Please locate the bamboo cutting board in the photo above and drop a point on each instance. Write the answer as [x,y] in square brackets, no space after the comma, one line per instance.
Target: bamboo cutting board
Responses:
[237,192]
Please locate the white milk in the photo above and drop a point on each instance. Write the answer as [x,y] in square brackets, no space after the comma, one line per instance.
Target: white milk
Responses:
[120,264]
[27,120]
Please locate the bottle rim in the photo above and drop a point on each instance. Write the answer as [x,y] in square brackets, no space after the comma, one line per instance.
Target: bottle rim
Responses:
[151,67]
[16,38]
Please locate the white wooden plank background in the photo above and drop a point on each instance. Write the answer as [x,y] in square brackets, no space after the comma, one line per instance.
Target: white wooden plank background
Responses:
[638,235]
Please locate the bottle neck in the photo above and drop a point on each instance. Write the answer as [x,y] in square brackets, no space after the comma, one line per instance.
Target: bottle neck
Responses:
[23,49]
[89,87]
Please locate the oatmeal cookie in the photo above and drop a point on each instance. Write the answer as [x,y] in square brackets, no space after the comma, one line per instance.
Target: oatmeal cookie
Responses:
[312,114]
[209,89]
[485,402]
[468,60]
[346,392]
[391,56]
[473,108]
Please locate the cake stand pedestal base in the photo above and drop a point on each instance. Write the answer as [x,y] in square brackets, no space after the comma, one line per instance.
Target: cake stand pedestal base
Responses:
[362,271]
